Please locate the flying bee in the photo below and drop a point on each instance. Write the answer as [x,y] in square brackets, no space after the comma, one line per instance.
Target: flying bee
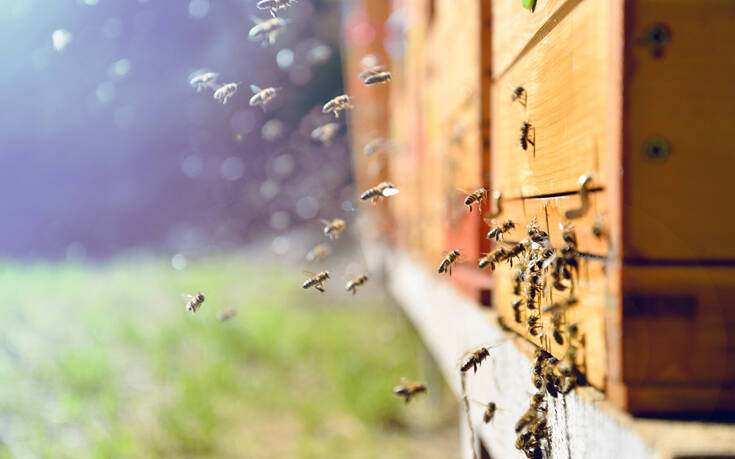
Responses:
[316,280]
[274,5]
[195,302]
[355,282]
[498,232]
[475,359]
[226,315]
[408,389]
[496,256]
[338,104]
[449,260]
[476,196]
[598,226]
[569,235]
[517,310]
[204,80]
[516,251]
[318,252]
[381,190]
[534,327]
[371,71]
[333,228]
[528,418]
[266,31]
[490,409]
[225,92]
[325,133]
[518,93]
[525,139]
[262,96]
[377,78]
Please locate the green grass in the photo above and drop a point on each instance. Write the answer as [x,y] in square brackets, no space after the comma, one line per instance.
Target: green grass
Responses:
[104,361]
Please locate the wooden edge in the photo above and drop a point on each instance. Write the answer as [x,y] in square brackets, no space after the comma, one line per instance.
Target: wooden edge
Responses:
[583,422]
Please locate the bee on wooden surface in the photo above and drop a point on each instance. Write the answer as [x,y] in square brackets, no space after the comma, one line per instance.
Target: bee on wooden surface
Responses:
[333,228]
[496,256]
[318,252]
[561,305]
[526,441]
[262,96]
[534,327]
[516,251]
[517,310]
[534,289]
[498,232]
[408,389]
[475,359]
[598,226]
[225,92]
[355,282]
[537,402]
[266,31]
[195,302]
[226,315]
[274,5]
[551,381]
[381,190]
[376,78]
[325,133]
[569,235]
[317,280]
[539,429]
[204,80]
[449,260]
[557,322]
[338,104]
[476,196]
[519,276]
[525,139]
[374,146]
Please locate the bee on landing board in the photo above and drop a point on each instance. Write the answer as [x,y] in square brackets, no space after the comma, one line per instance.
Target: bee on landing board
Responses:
[449,260]
[274,5]
[205,80]
[409,389]
[333,228]
[225,92]
[266,31]
[338,104]
[381,190]
[355,282]
[476,196]
[524,138]
[317,280]
[262,96]
[195,301]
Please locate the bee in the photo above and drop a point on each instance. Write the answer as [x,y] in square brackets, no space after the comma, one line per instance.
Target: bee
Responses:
[534,288]
[204,80]
[517,310]
[537,402]
[498,232]
[557,322]
[374,146]
[476,196]
[195,302]
[266,31]
[449,260]
[318,252]
[408,389]
[490,409]
[475,359]
[332,229]
[226,315]
[539,429]
[338,104]
[525,140]
[381,190]
[325,133]
[376,78]
[534,327]
[496,256]
[370,66]
[503,326]
[225,92]
[518,92]
[262,96]
[274,5]
[316,280]
[598,226]
[518,277]
[516,251]
[357,281]
[569,235]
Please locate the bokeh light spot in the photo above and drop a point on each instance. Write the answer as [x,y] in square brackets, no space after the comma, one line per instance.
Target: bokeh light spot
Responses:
[307,207]
[232,168]
[198,8]
[61,39]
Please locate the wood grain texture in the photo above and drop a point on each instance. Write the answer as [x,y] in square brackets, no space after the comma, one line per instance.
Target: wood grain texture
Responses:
[681,207]
[515,26]
[565,79]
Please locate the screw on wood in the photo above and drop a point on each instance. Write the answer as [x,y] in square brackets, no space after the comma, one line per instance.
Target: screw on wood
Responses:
[656,38]
[658,149]
[584,182]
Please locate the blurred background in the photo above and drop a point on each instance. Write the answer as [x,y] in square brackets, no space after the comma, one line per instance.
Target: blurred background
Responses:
[125,187]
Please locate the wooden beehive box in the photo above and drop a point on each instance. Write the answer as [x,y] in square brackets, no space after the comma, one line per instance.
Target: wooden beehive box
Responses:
[634,95]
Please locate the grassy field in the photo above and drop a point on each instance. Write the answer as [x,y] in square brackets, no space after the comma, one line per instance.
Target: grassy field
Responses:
[104,361]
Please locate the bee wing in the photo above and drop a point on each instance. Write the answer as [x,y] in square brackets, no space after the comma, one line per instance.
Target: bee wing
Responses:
[477,402]
[325,222]
[390,192]
[255,89]
[309,273]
